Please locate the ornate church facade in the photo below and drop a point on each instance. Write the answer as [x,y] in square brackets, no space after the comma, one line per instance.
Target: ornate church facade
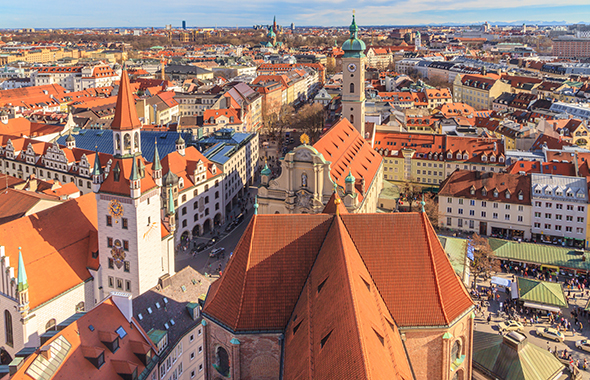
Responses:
[341,159]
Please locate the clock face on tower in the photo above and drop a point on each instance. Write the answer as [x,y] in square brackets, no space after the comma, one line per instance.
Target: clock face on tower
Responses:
[351,67]
[115,208]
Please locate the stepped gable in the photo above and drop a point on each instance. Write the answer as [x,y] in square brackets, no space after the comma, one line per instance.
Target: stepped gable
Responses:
[340,327]
[409,267]
[267,271]
[57,246]
[125,113]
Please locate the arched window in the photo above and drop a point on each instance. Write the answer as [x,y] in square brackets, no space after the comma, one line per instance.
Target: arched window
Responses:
[8,328]
[221,361]
[352,118]
[80,307]
[456,351]
[137,141]
[118,142]
[352,88]
[127,141]
[50,326]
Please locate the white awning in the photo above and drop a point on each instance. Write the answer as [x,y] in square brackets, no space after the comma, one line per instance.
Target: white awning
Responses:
[501,281]
[533,305]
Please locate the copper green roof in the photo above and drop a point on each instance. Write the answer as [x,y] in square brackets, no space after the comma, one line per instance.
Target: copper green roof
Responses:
[499,356]
[134,172]
[353,47]
[544,292]
[349,178]
[456,249]
[22,283]
[266,170]
[156,335]
[157,165]
[542,254]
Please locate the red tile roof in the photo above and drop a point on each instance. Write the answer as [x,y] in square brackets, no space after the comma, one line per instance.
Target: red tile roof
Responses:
[55,261]
[481,185]
[272,261]
[122,186]
[85,341]
[125,114]
[344,147]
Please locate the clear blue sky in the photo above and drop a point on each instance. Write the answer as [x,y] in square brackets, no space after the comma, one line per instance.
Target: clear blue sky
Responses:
[126,13]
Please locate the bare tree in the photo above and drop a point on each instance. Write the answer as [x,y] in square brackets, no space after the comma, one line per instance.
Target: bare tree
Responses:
[310,119]
[410,192]
[484,261]
[431,209]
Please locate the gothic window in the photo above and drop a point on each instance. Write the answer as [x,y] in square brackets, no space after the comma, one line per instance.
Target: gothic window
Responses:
[221,364]
[303,180]
[137,140]
[127,141]
[456,351]
[352,88]
[118,142]
[8,328]
[50,325]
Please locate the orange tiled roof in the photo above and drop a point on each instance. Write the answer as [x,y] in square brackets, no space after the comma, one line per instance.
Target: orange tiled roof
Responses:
[348,151]
[85,341]
[55,261]
[125,114]
[122,186]
[272,262]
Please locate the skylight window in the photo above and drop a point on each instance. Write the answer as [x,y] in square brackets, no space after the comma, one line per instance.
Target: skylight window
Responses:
[149,309]
[165,300]
[140,316]
[121,331]
[172,322]
[166,325]
[157,305]
[90,327]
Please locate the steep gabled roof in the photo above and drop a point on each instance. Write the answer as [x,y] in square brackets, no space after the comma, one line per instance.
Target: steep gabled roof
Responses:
[56,246]
[341,327]
[125,113]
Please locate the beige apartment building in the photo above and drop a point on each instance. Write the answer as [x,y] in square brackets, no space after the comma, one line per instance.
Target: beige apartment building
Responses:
[490,204]
[478,91]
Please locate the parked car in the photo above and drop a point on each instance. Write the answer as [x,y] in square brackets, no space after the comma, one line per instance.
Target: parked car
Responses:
[510,326]
[229,227]
[550,333]
[583,345]
[201,247]
[216,252]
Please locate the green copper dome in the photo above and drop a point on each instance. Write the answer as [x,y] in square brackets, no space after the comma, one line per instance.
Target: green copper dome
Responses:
[353,47]
[266,170]
[349,178]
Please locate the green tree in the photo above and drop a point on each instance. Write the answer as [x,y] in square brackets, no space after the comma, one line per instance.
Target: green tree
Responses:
[484,261]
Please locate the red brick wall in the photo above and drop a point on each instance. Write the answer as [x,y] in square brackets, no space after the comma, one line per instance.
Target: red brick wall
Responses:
[430,354]
[257,357]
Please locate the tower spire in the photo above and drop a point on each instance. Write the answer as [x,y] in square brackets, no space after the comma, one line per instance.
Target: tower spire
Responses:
[125,112]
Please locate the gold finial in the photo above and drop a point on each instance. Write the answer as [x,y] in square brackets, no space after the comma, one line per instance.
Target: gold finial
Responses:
[353,12]
[304,139]
[337,201]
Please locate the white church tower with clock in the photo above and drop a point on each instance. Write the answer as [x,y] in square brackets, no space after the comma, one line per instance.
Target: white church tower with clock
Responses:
[353,79]
[132,253]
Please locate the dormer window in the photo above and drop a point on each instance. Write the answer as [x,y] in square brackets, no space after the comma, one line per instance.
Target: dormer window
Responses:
[484,192]
[472,190]
[459,156]
[507,194]
[493,159]
[465,156]
[520,196]
[450,156]
[484,158]
[501,159]
[109,339]
[495,193]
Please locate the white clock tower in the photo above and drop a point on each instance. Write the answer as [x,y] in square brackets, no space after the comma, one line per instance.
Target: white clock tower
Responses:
[131,253]
[353,79]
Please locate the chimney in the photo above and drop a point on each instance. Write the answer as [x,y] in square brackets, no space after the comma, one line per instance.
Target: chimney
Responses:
[123,302]
[495,146]
[45,351]
[576,164]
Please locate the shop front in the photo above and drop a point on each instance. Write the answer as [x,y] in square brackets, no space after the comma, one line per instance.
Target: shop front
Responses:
[507,233]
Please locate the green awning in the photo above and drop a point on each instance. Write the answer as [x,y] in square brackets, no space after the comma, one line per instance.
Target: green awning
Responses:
[543,292]
[542,254]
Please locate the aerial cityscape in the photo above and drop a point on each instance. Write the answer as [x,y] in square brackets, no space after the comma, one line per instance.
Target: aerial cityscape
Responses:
[295,191]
